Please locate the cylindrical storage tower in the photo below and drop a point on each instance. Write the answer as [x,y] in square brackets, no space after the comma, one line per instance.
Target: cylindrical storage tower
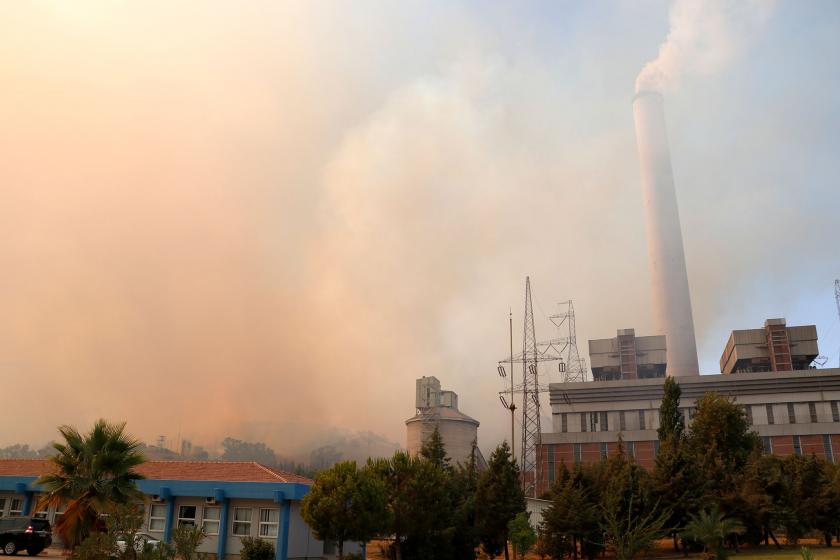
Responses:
[671,302]
[457,431]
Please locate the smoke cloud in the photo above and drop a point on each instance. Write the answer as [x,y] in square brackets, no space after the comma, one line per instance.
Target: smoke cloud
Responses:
[705,35]
[265,220]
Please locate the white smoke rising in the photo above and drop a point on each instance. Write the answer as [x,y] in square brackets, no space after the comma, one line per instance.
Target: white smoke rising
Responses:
[705,35]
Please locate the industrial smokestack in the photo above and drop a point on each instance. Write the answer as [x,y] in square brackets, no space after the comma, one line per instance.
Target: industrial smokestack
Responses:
[671,302]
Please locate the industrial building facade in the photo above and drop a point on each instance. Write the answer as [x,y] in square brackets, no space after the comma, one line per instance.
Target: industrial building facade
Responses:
[230,500]
[793,411]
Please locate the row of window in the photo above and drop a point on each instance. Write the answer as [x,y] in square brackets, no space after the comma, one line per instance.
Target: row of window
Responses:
[268,521]
[600,421]
[15,507]
[791,413]
[590,421]
[828,449]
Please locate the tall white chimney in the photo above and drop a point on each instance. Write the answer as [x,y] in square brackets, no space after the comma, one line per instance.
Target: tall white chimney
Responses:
[671,302]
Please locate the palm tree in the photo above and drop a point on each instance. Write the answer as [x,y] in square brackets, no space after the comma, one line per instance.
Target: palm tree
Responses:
[711,528]
[91,472]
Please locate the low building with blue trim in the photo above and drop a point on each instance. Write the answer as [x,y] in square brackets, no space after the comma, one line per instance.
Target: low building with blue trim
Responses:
[230,500]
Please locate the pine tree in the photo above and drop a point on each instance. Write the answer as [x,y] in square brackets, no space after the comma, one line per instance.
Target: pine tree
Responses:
[720,444]
[499,498]
[434,451]
[417,503]
[345,504]
[572,517]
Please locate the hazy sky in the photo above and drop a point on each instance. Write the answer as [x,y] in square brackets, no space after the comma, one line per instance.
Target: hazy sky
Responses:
[266,219]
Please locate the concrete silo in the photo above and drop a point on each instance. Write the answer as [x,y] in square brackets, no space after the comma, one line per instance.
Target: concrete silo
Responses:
[439,408]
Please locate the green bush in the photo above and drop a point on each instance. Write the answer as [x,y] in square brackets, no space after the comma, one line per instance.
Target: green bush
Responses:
[256,549]
[187,539]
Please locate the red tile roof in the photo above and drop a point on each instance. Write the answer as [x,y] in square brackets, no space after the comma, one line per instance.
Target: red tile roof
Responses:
[230,471]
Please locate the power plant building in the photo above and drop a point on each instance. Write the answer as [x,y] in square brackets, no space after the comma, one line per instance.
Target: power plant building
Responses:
[627,356]
[776,347]
[794,409]
[438,408]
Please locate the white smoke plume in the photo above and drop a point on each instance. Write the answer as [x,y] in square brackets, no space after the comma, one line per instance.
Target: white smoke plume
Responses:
[705,36]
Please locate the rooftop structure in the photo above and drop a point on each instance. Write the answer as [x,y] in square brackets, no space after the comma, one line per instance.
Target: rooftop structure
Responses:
[776,347]
[627,356]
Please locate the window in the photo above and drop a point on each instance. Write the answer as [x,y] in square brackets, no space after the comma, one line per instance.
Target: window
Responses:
[269,521]
[17,507]
[767,443]
[797,445]
[577,454]
[41,514]
[770,418]
[605,422]
[604,450]
[656,447]
[748,411]
[186,516]
[157,518]
[2,507]
[211,520]
[564,422]
[791,413]
[593,421]
[827,448]
[59,511]
[835,412]
[242,522]
[812,410]
[642,420]
[582,421]
[631,449]
[622,421]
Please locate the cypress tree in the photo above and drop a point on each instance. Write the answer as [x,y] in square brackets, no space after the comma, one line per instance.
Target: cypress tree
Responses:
[499,498]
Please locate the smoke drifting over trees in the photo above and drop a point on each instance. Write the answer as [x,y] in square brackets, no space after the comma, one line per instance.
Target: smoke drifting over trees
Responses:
[266,221]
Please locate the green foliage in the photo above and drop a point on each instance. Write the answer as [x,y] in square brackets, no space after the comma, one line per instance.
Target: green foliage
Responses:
[463,483]
[98,546]
[434,451]
[256,549]
[573,516]
[671,421]
[674,474]
[720,444]
[122,522]
[806,553]
[92,471]
[187,539]
[521,534]
[711,528]
[344,504]
[499,499]
[630,522]
[417,505]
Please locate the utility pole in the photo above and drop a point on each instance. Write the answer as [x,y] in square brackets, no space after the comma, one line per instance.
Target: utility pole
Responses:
[512,406]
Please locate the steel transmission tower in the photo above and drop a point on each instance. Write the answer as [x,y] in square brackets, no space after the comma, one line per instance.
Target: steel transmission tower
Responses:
[530,398]
[572,366]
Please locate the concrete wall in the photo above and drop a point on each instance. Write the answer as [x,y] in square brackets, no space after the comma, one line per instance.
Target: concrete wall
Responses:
[457,436]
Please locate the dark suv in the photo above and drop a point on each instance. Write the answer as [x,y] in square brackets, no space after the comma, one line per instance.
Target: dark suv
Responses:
[24,533]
